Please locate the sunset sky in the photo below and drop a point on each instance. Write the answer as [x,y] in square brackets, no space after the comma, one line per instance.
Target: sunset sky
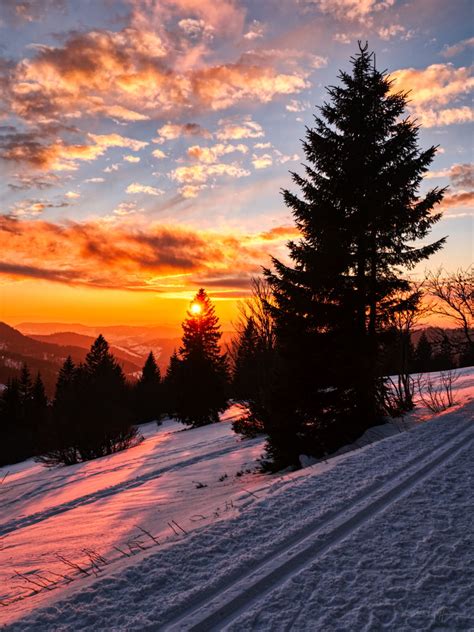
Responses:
[143,143]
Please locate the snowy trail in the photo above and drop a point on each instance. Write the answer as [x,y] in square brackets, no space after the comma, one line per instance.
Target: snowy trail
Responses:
[227,602]
[32,519]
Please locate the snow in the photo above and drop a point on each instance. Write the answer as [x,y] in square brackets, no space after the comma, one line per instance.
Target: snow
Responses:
[377,538]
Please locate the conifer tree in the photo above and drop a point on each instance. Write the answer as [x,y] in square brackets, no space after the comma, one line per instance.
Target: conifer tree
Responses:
[200,375]
[12,442]
[245,370]
[148,402]
[63,430]
[103,401]
[39,412]
[25,385]
[170,385]
[359,215]
[423,354]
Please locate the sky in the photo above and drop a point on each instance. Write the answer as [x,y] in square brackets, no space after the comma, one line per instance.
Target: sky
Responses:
[144,143]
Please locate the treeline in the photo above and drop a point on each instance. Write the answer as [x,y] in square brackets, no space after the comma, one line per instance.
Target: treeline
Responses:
[95,411]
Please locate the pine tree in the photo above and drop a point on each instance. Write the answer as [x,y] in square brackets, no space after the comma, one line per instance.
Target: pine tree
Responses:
[424,354]
[103,402]
[200,375]
[64,427]
[245,373]
[443,358]
[359,214]
[25,385]
[148,398]
[39,413]
[12,443]
[170,385]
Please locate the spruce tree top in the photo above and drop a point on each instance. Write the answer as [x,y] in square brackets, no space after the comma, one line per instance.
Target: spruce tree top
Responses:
[201,331]
[360,212]
[150,372]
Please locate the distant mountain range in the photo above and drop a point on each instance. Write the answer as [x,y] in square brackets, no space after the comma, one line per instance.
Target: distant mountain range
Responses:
[45,348]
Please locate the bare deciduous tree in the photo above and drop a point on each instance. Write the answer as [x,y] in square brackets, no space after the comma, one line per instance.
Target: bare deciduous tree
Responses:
[453,295]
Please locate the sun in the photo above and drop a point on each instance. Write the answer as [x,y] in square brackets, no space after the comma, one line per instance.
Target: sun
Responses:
[196,308]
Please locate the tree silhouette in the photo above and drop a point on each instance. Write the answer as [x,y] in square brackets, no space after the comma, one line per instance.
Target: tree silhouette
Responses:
[359,216]
[423,354]
[199,375]
[148,400]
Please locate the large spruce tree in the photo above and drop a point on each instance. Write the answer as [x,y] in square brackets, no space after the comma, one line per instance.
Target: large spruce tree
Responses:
[199,374]
[360,216]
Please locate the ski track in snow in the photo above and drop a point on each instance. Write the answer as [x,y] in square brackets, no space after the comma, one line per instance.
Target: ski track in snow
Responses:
[218,577]
[314,542]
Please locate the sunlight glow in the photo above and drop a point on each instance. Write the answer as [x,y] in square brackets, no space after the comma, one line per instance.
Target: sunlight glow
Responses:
[196,308]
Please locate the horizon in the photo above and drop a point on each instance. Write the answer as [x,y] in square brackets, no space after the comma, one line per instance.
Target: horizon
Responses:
[144,144]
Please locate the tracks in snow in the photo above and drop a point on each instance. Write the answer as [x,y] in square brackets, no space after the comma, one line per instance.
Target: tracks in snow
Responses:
[219,607]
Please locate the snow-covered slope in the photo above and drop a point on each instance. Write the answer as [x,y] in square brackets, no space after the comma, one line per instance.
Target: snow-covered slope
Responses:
[375,539]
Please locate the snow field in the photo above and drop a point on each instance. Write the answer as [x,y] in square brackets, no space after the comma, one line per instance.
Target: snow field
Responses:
[189,578]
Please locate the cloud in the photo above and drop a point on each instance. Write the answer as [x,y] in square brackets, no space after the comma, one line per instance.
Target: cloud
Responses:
[24,181]
[283,158]
[297,106]
[196,28]
[122,255]
[191,190]
[210,155]
[255,31]
[171,131]
[111,168]
[236,129]
[433,88]
[459,47]
[342,38]
[135,187]
[131,158]
[38,149]
[437,84]
[126,208]
[351,9]
[24,11]
[461,175]
[115,140]
[444,116]
[72,195]
[95,180]
[143,70]
[463,198]
[394,30]
[34,207]
[157,153]
[201,173]
[262,162]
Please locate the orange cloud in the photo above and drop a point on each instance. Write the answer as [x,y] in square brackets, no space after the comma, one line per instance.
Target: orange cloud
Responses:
[446,116]
[437,84]
[201,173]
[123,256]
[236,129]
[350,9]
[210,155]
[136,73]
[39,150]
[431,89]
